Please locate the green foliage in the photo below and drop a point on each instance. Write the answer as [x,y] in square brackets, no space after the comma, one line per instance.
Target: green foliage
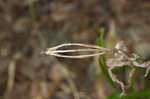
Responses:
[138,95]
[115,95]
[100,41]
[102,60]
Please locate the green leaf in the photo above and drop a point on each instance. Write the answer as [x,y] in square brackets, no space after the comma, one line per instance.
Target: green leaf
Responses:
[139,95]
[102,60]
[115,95]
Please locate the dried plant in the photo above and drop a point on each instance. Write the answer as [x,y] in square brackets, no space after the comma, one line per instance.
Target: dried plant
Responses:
[54,51]
[121,57]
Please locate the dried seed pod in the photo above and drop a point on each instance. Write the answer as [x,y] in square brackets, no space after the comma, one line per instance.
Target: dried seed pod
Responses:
[97,50]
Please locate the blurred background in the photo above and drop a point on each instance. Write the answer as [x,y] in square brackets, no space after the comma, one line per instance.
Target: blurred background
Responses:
[29,26]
